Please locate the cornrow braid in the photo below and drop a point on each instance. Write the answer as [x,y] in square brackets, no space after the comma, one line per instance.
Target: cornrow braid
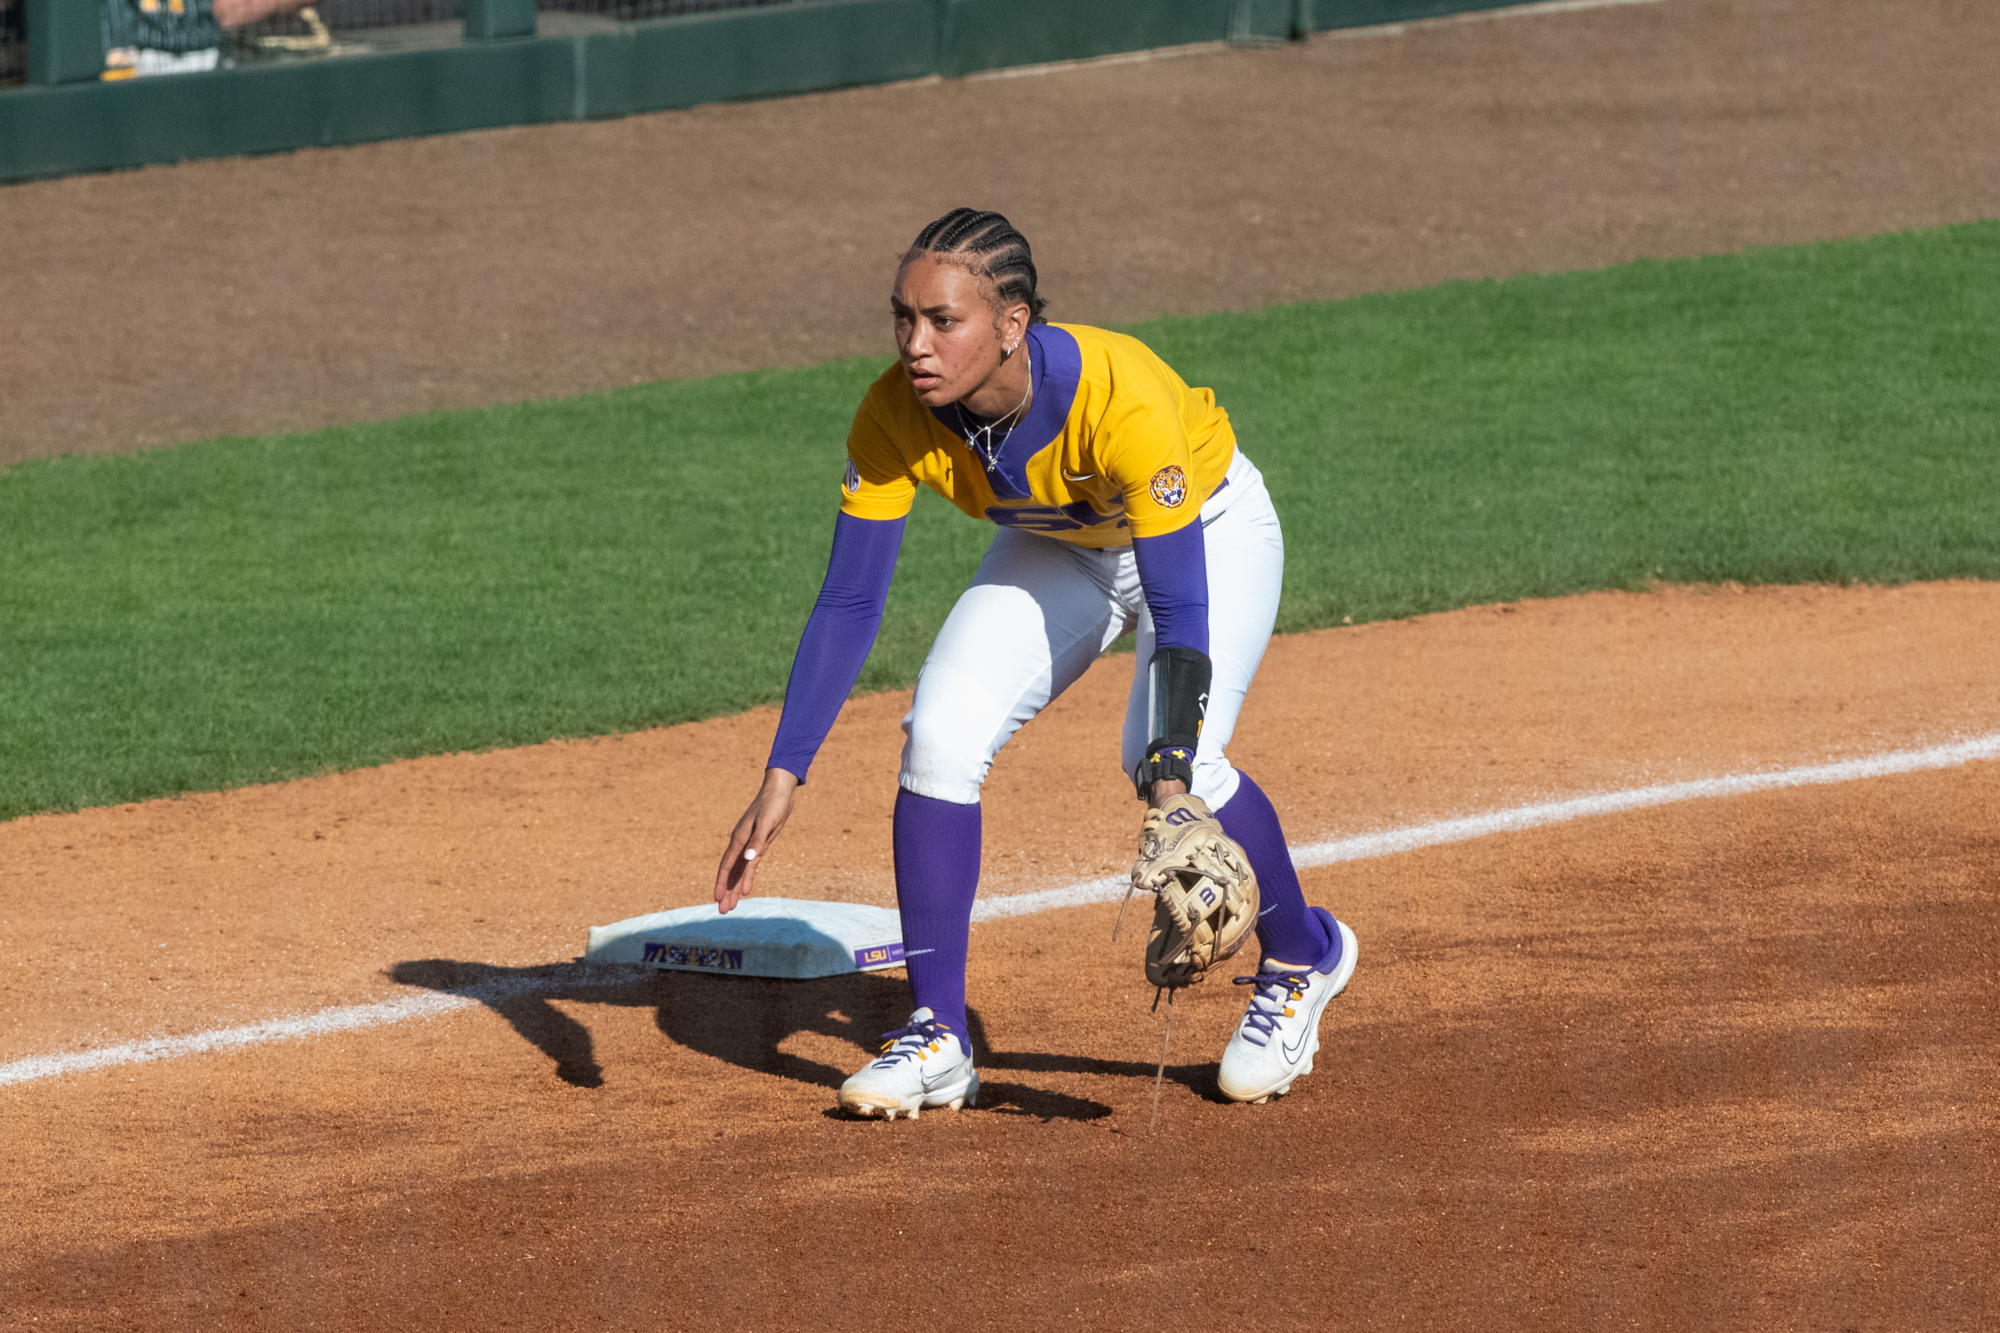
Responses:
[988,245]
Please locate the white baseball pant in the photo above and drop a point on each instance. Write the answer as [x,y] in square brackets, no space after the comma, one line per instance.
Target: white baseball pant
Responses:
[1040,611]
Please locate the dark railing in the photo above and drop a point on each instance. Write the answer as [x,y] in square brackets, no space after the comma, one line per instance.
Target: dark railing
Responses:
[13,42]
[447,75]
[651,9]
[317,29]
[343,14]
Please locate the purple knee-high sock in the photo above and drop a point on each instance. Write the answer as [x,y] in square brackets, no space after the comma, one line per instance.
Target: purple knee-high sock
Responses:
[1286,928]
[937,871]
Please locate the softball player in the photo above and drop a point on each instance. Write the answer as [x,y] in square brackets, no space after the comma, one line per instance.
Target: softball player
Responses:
[1122,502]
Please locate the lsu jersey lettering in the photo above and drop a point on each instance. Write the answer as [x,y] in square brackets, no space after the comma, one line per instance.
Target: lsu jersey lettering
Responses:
[1115,445]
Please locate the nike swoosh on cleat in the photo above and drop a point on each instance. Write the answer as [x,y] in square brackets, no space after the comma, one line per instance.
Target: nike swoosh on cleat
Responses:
[1292,1054]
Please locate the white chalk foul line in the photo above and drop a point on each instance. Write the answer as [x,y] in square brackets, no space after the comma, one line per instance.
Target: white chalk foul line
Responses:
[321,1024]
[1642,798]
[348,1018]
[1390,841]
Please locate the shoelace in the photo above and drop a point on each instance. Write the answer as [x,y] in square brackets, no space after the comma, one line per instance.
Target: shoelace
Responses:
[914,1040]
[1259,1023]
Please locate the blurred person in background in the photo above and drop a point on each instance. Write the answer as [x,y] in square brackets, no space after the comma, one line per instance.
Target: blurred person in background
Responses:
[143,37]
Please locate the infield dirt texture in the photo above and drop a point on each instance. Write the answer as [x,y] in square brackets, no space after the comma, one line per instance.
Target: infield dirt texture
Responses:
[1726,1063]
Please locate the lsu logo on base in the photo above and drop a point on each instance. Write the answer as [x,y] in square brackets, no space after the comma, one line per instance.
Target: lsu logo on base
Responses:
[878,955]
[660,954]
[1169,487]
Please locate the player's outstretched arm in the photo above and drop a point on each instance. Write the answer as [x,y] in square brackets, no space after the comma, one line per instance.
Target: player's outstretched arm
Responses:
[1173,572]
[838,635]
[754,834]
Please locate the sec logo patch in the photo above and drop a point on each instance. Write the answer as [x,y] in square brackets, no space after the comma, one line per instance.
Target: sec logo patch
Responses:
[852,481]
[1169,487]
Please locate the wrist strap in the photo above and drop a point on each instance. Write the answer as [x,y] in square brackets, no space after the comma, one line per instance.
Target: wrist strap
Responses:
[1177,681]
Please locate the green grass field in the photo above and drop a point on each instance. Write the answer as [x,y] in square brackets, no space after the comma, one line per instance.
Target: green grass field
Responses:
[249,609]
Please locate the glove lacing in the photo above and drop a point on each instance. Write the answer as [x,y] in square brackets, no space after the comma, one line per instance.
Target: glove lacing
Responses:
[1259,1023]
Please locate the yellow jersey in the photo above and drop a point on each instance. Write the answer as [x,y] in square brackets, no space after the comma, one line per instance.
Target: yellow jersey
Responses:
[1114,445]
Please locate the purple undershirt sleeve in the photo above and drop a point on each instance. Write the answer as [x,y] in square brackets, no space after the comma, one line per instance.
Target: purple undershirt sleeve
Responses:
[1173,570]
[838,635]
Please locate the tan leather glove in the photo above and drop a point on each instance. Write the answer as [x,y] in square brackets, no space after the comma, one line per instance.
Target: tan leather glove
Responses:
[1205,892]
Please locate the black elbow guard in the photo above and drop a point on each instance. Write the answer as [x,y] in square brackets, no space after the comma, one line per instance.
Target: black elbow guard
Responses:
[1177,681]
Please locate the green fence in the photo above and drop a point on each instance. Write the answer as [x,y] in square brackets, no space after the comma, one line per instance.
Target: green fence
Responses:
[502,72]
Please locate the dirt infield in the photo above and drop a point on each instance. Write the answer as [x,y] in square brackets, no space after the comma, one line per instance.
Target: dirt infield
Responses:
[1727,1063]
[325,286]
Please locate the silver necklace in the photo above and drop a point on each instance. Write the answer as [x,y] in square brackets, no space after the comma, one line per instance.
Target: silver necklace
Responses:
[980,438]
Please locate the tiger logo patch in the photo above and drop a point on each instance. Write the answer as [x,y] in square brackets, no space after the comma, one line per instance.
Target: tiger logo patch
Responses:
[1169,487]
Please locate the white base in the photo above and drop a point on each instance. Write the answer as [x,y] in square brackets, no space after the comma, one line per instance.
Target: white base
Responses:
[763,937]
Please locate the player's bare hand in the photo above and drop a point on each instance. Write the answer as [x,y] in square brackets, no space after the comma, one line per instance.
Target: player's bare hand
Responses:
[1164,788]
[754,834]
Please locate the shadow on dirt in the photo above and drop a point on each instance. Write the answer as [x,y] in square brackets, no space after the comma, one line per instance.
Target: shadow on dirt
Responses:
[1017,1099]
[744,1021]
[1196,1078]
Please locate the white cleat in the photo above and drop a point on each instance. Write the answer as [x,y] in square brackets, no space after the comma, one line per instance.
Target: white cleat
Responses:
[923,1063]
[1279,1035]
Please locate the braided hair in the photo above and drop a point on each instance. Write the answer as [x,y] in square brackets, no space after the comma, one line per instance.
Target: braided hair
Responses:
[987,244]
